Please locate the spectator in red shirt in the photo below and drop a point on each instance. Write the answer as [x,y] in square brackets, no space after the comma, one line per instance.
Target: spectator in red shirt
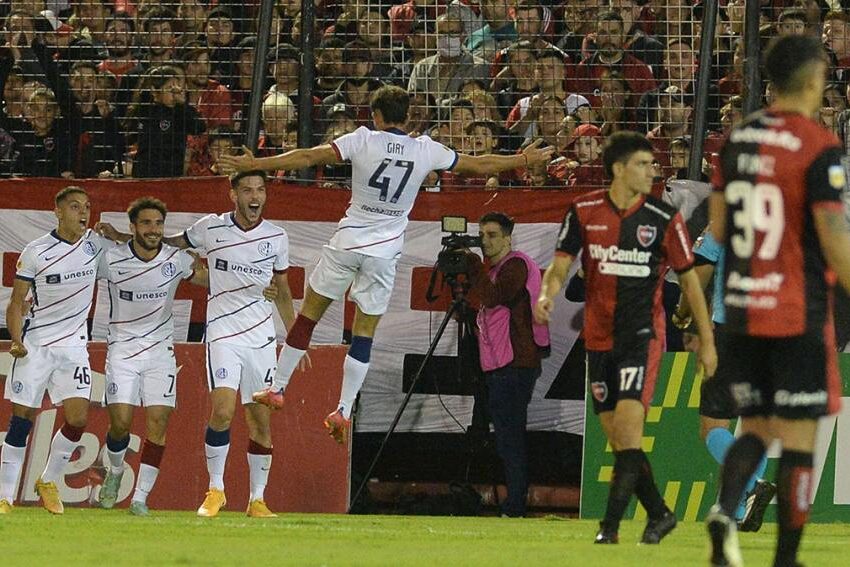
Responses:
[119,43]
[587,150]
[209,97]
[674,121]
[610,55]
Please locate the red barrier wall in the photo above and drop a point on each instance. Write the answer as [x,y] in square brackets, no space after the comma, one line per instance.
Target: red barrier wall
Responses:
[310,472]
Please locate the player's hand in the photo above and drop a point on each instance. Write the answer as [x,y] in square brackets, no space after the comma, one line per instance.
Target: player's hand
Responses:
[229,164]
[680,320]
[543,310]
[270,292]
[708,359]
[537,156]
[106,230]
[18,350]
[198,264]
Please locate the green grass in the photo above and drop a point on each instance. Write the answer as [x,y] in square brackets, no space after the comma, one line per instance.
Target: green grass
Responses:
[30,536]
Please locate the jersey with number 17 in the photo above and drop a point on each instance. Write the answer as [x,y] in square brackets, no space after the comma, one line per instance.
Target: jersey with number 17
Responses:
[387,170]
[776,169]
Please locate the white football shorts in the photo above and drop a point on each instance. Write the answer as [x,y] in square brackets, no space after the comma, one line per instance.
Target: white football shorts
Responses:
[63,372]
[148,381]
[371,279]
[246,370]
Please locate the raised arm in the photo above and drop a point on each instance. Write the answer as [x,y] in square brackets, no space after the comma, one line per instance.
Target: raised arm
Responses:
[481,165]
[293,159]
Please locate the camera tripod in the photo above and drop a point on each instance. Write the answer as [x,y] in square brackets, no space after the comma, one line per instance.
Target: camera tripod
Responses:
[460,306]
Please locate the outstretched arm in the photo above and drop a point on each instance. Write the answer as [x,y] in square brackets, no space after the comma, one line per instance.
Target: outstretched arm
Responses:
[488,164]
[293,159]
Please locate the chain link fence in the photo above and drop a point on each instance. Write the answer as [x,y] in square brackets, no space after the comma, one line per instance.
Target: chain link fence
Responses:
[93,88]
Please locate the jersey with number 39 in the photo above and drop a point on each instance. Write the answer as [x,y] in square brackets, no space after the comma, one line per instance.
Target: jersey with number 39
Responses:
[241,264]
[776,168]
[141,295]
[387,170]
[62,275]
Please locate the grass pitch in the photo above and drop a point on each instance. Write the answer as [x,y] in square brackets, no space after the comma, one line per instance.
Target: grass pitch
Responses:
[30,536]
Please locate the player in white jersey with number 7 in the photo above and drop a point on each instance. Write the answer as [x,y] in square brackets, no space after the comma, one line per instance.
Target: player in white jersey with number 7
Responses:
[387,170]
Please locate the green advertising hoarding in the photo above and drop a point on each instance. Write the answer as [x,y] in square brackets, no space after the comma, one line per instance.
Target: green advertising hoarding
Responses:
[685,472]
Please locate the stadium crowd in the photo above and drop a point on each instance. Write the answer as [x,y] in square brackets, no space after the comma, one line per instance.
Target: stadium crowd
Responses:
[95,88]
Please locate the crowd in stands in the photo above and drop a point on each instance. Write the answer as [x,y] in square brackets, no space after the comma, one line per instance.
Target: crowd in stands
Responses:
[149,88]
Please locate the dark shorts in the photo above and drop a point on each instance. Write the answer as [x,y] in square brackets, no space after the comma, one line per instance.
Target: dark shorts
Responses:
[613,376]
[715,397]
[791,377]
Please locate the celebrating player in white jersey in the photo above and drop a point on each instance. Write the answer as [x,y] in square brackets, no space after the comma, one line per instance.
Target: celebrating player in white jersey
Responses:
[58,271]
[143,276]
[388,167]
[245,253]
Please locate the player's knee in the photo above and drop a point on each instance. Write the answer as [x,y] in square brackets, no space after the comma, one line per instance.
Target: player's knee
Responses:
[77,420]
[119,430]
[221,417]
[156,424]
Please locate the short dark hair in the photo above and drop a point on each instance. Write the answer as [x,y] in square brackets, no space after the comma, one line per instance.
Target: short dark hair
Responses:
[240,175]
[67,192]
[790,60]
[392,102]
[489,124]
[158,14]
[549,53]
[611,17]
[503,220]
[143,203]
[619,148]
[124,17]
[84,65]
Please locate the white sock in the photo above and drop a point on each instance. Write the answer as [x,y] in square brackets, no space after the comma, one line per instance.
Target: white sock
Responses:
[147,478]
[116,460]
[216,459]
[61,449]
[259,466]
[287,362]
[11,462]
[353,375]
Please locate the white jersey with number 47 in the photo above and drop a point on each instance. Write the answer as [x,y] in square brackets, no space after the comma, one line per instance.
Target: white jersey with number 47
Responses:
[387,170]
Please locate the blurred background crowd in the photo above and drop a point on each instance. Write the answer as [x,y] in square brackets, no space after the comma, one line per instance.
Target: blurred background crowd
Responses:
[148,88]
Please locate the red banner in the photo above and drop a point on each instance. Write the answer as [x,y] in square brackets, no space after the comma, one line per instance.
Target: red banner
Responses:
[310,472]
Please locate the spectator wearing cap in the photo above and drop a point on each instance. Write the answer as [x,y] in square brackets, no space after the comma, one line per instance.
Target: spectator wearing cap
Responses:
[119,40]
[56,33]
[675,110]
[409,18]
[221,42]
[357,87]
[284,66]
[419,44]
[792,21]
[330,68]
[341,118]
[586,148]
[549,71]
[612,56]
[96,141]
[442,74]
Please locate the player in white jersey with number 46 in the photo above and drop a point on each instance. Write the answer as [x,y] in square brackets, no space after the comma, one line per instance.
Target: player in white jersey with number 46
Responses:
[387,170]
[58,271]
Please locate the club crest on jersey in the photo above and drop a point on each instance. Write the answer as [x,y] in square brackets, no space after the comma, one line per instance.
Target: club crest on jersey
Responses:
[265,248]
[164,125]
[599,391]
[837,179]
[646,234]
[221,373]
[113,389]
[17,386]
[89,249]
[168,269]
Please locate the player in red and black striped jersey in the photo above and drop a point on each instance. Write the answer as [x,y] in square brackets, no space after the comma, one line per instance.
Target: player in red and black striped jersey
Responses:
[777,211]
[628,240]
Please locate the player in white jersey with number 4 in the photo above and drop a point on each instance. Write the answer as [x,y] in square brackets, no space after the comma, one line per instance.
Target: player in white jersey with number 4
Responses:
[245,253]
[387,170]
[142,276]
[58,272]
